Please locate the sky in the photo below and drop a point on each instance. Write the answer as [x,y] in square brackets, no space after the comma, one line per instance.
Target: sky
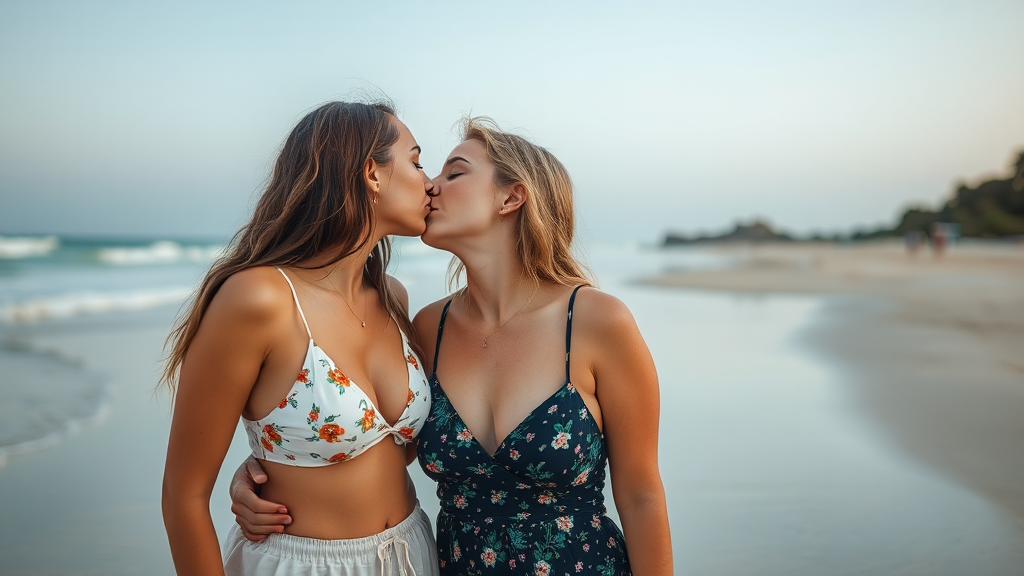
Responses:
[162,119]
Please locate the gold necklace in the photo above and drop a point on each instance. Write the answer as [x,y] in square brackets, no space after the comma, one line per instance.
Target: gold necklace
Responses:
[361,321]
[518,310]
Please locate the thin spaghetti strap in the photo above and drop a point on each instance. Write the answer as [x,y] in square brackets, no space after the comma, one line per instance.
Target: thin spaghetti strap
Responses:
[296,297]
[440,330]
[568,331]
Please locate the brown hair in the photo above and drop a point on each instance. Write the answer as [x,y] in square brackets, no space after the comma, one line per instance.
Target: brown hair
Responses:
[316,200]
[545,223]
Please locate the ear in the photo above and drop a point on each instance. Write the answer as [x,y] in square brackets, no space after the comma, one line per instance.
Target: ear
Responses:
[371,173]
[515,197]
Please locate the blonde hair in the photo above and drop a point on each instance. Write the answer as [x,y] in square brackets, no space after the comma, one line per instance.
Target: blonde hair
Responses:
[545,222]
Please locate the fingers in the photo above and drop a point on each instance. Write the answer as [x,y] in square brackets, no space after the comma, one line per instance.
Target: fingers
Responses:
[247,531]
[264,525]
[253,537]
[255,471]
[246,503]
[256,517]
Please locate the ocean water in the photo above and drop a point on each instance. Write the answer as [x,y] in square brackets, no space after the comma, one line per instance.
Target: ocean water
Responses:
[48,393]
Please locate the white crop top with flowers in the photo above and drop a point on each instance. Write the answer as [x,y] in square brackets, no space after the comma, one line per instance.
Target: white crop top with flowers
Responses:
[326,418]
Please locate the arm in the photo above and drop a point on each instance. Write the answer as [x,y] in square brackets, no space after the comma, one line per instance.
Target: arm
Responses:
[627,385]
[256,517]
[221,366]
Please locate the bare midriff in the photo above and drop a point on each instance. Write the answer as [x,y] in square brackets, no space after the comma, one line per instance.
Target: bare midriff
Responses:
[361,497]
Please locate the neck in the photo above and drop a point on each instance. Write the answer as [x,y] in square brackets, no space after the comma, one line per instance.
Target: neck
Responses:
[344,276]
[496,284]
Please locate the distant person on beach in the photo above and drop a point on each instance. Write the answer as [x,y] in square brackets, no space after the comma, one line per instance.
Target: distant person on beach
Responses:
[939,238]
[299,331]
[537,380]
[913,240]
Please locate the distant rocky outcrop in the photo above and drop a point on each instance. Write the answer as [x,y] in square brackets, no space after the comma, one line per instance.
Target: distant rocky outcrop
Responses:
[992,209]
[756,231]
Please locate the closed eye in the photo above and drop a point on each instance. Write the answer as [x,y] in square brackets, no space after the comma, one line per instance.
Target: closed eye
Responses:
[418,165]
[452,175]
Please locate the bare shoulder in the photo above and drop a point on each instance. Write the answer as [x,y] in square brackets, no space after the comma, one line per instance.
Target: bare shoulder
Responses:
[611,342]
[601,315]
[425,323]
[429,317]
[253,296]
[398,289]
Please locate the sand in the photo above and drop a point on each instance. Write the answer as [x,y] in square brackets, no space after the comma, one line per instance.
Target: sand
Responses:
[90,504]
[932,347]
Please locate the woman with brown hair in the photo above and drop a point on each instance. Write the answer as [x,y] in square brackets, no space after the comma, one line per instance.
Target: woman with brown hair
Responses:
[538,381]
[299,331]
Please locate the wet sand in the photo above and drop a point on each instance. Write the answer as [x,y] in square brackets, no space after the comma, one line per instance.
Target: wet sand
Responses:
[932,348]
[90,504]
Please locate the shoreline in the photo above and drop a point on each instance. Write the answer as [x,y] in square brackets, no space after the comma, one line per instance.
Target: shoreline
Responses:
[929,347]
[76,397]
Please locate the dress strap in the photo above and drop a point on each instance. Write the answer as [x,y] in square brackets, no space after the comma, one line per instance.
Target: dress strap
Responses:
[297,305]
[568,331]
[440,330]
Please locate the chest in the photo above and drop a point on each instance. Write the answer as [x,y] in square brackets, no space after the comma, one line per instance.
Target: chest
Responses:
[558,444]
[496,387]
[377,362]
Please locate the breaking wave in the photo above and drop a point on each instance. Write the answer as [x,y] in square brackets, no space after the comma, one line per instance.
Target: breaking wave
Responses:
[17,247]
[162,252]
[82,303]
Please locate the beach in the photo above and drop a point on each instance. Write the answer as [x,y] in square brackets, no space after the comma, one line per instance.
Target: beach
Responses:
[791,443]
[930,346]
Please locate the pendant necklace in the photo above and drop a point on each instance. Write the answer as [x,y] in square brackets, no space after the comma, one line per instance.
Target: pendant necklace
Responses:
[362,322]
[520,309]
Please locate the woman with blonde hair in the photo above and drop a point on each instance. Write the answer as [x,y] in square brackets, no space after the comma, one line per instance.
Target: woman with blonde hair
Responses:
[538,380]
[299,331]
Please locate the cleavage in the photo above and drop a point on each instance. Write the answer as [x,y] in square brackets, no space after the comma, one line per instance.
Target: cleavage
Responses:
[492,422]
[382,386]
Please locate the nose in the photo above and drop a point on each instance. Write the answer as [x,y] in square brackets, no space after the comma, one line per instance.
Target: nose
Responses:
[428,185]
[435,188]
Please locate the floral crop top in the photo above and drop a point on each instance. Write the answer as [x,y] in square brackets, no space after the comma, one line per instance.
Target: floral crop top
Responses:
[326,418]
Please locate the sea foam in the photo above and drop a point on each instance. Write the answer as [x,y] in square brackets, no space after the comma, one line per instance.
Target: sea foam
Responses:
[81,303]
[15,247]
[162,252]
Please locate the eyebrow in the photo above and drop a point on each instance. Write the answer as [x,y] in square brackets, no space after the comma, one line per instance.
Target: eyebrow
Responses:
[416,148]
[455,159]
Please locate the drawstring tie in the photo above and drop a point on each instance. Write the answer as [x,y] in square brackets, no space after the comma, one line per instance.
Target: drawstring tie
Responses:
[384,554]
[396,435]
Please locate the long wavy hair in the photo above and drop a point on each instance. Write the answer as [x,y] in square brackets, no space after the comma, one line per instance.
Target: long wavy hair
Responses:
[316,200]
[545,223]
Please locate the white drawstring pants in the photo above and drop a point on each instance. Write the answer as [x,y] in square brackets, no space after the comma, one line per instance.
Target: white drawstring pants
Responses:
[407,549]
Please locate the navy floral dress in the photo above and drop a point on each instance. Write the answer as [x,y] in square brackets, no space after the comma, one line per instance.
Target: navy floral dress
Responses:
[536,506]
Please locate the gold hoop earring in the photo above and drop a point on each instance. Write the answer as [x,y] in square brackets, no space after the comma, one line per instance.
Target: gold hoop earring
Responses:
[374,196]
